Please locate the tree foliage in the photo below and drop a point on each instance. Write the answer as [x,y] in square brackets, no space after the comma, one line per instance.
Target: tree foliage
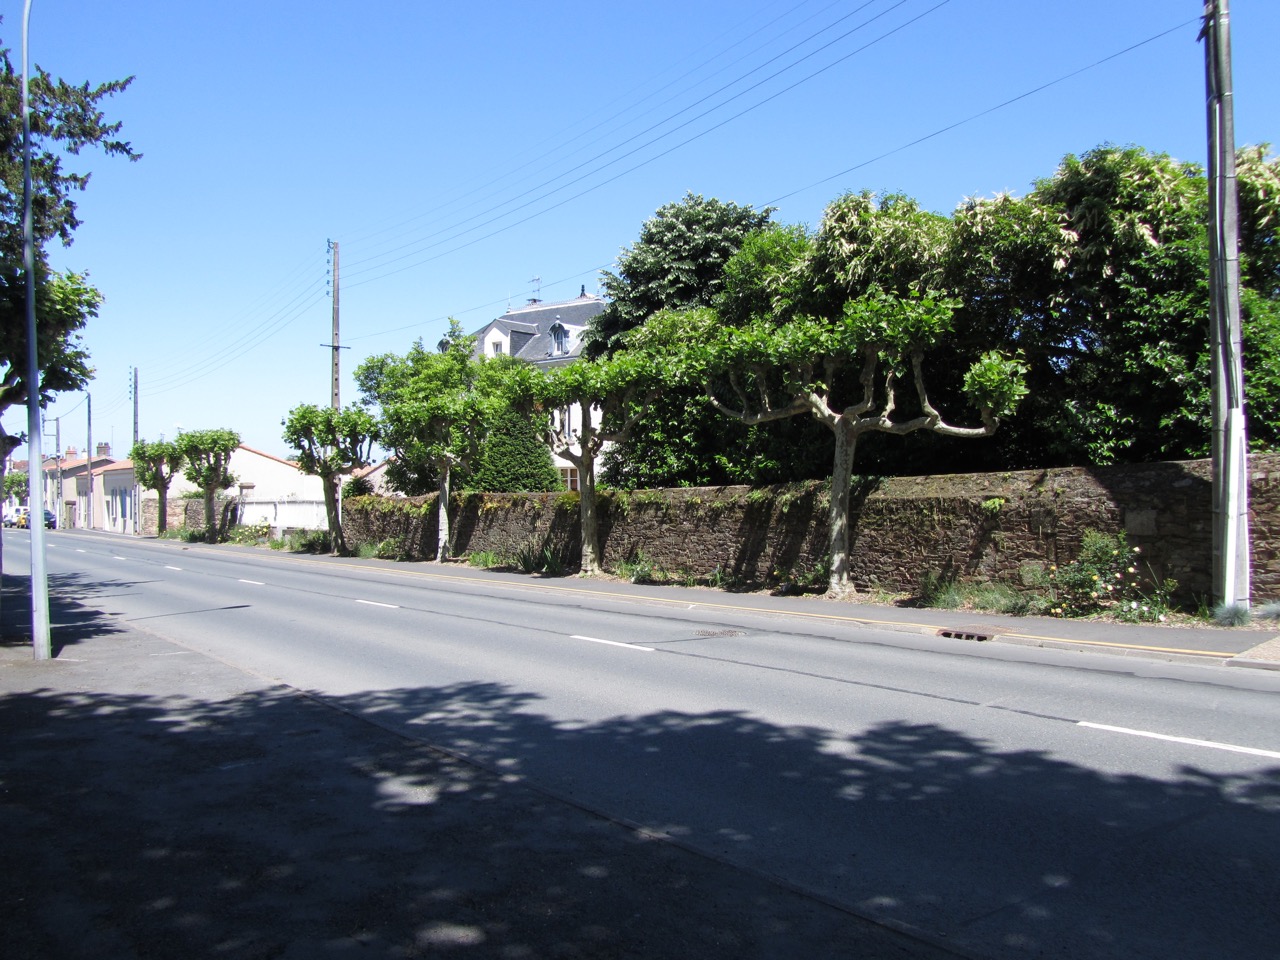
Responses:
[155,464]
[207,454]
[65,119]
[1096,280]
[330,444]
[435,410]
[676,263]
[609,397]
[513,458]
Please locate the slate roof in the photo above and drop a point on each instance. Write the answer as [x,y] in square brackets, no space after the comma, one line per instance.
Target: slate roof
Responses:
[529,328]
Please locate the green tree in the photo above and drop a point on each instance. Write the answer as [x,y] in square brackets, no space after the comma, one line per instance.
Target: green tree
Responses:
[1099,277]
[587,405]
[17,486]
[155,464]
[65,119]
[435,412]
[208,458]
[675,263]
[513,458]
[804,329]
[330,444]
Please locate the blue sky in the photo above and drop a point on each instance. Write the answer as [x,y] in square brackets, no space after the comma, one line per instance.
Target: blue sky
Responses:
[455,152]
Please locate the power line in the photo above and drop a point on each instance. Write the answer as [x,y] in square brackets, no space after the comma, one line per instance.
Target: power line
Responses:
[418,244]
[637,166]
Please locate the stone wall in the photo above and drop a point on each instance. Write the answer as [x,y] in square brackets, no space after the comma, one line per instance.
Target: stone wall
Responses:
[181,512]
[971,527]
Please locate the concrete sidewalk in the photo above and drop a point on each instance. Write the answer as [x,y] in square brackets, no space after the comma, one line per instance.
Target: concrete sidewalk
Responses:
[157,803]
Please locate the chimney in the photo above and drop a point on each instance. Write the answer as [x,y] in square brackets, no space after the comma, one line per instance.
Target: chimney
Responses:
[71,453]
[104,450]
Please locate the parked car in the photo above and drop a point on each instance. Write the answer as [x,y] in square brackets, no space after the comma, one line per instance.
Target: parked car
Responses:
[50,520]
[17,517]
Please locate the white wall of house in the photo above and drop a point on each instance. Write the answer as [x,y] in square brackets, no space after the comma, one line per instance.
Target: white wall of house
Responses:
[272,479]
[114,506]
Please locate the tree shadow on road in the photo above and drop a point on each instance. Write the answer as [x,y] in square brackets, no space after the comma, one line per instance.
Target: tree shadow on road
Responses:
[72,618]
[262,822]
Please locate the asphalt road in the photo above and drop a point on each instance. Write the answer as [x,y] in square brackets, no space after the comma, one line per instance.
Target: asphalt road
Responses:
[1003,801]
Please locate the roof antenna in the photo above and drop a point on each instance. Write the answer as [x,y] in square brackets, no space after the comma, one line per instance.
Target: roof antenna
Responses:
[537,288]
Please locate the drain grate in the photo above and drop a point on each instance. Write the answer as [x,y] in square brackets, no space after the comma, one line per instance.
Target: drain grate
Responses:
[963,635]
[718,633]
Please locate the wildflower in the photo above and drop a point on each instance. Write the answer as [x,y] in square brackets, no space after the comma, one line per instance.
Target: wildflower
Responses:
[1162,618]
[1119,576]
[1095,576]
[1131,570]
[1133,605]
[1137,549]
[1094,594]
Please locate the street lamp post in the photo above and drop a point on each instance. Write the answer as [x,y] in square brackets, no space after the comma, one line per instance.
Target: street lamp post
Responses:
[40,643]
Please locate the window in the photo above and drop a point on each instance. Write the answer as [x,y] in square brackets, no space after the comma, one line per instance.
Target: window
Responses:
[570,477]
[560,338]
[497,348]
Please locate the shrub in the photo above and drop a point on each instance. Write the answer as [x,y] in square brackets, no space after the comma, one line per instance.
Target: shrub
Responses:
[249,535]
[1105,579]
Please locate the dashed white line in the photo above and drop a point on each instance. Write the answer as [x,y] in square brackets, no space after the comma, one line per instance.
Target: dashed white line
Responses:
[1212,744]
[613,643]
[375,603]
[119,558]
[167,567]
[256,583]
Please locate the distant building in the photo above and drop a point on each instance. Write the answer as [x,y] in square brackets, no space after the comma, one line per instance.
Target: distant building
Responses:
[546,335]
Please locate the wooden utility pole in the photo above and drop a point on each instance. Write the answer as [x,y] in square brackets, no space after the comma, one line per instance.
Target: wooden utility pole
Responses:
[1230,450]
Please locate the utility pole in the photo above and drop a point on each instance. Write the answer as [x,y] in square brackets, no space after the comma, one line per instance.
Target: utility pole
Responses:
[1230,451]
[337,367]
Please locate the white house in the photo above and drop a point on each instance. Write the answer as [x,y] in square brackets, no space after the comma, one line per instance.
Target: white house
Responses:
[546,335]
[268,489]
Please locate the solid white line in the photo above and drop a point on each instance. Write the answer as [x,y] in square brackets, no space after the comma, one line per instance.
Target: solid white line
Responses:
[256,583]
[613,643]
[1253,751]
[375,603]
[167,567]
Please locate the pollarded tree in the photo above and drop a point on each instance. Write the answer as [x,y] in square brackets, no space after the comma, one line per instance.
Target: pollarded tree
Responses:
[609,397]
[330,444]
[860,372]
[436,409]
[208,457]
[155,464]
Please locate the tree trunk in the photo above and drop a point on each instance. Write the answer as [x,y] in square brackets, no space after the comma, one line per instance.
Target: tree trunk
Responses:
[162,520]
[442,514]
[211,524]
[841,482]
[587,514]
[336,539]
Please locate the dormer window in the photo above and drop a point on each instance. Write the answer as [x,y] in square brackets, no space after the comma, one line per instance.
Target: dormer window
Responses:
[559,339]
[497,348]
